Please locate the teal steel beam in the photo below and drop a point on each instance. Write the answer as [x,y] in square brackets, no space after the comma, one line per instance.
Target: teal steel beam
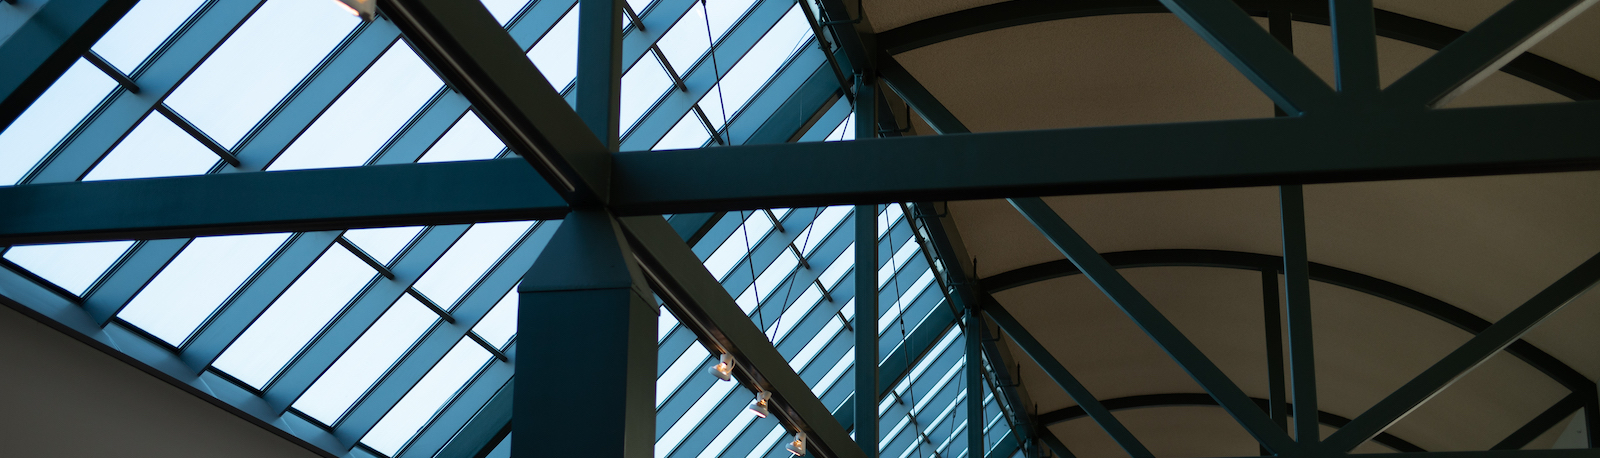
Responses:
[1437,143]
[974,375]
[1473,57]
[1466,357]
[1273,69]
[1080,394]
[701,304]
[1297,289]
[1154,324]
[1543,422]
[599,79]
[40,39]
[303,200]
[587,320]
[1054,444]
[1355,47]
[866,277]
[918,97]
[476,57]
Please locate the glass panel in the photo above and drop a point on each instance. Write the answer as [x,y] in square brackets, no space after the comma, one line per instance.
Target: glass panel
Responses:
[756,225]
[156,148]
[426,398]
[689,132]
[468,259]
[261,62]
[383,243]
[142,30]
[504,10]
[556,54]
[55,113]
[196,282]
[763,60]
[295,317]
[500,324]
[368,359]
[845,131]
[641,88]
[366,115]
[691,362]
[72,266]
[689,39]
[469,139]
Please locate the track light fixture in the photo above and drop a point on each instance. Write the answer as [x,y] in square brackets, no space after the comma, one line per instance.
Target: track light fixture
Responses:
[724,370]
[798,445]
[366,9]
[759,406]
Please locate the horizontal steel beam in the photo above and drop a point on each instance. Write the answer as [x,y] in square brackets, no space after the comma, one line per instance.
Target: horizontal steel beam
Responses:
[1423,144]
[304,200]
[1376,146]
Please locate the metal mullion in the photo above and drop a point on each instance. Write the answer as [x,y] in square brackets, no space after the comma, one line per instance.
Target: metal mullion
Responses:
[233,317]
[636,43]
[667,67]
[433,346]
[487,346]
[199,136]
[118,115]
[111,71]
[762,254]
[449,424]
[701,77]
[711,130]
[365,257]
[315,92]
[121,283]
[349,326]
[708,427]
[786,82]
[633,17]
[426,302]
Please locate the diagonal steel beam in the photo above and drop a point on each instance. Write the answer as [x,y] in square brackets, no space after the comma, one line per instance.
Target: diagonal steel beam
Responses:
[1273,69]
[40,40]
[1473,57]
[1543,422]
[1355,47]
[1053,368]
[302,200]
[476,57]
[1200,368]
[702,305]
[1466,358]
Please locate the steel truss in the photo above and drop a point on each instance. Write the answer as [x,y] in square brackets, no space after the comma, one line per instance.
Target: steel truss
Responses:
[1351,132]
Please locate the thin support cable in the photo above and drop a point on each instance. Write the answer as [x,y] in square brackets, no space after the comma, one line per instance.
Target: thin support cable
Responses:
[716,70]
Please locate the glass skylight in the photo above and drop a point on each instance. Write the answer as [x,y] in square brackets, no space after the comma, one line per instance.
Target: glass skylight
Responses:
[72,266]
[54,114]
[142,30]
[261,62]
[394,364]
[292,320]
[196,282]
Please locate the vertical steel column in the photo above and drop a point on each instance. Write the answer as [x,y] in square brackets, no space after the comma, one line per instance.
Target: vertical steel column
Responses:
[40,40]
[866,415]
[975,442]
[599,81]
[587,350]
[1297,286]
[1277,399]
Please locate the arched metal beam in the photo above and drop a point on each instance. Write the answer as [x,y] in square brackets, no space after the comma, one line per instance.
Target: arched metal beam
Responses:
[1202,399]
[1374,286]
[1533,68]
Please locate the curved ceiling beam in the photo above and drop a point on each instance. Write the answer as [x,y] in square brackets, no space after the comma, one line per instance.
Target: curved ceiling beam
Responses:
[1202,399]
[1537,70]
[1428,305]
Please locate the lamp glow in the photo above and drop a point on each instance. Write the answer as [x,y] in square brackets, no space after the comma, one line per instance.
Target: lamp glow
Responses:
[366,9]
[759,406]
[724,370]
[798,445]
